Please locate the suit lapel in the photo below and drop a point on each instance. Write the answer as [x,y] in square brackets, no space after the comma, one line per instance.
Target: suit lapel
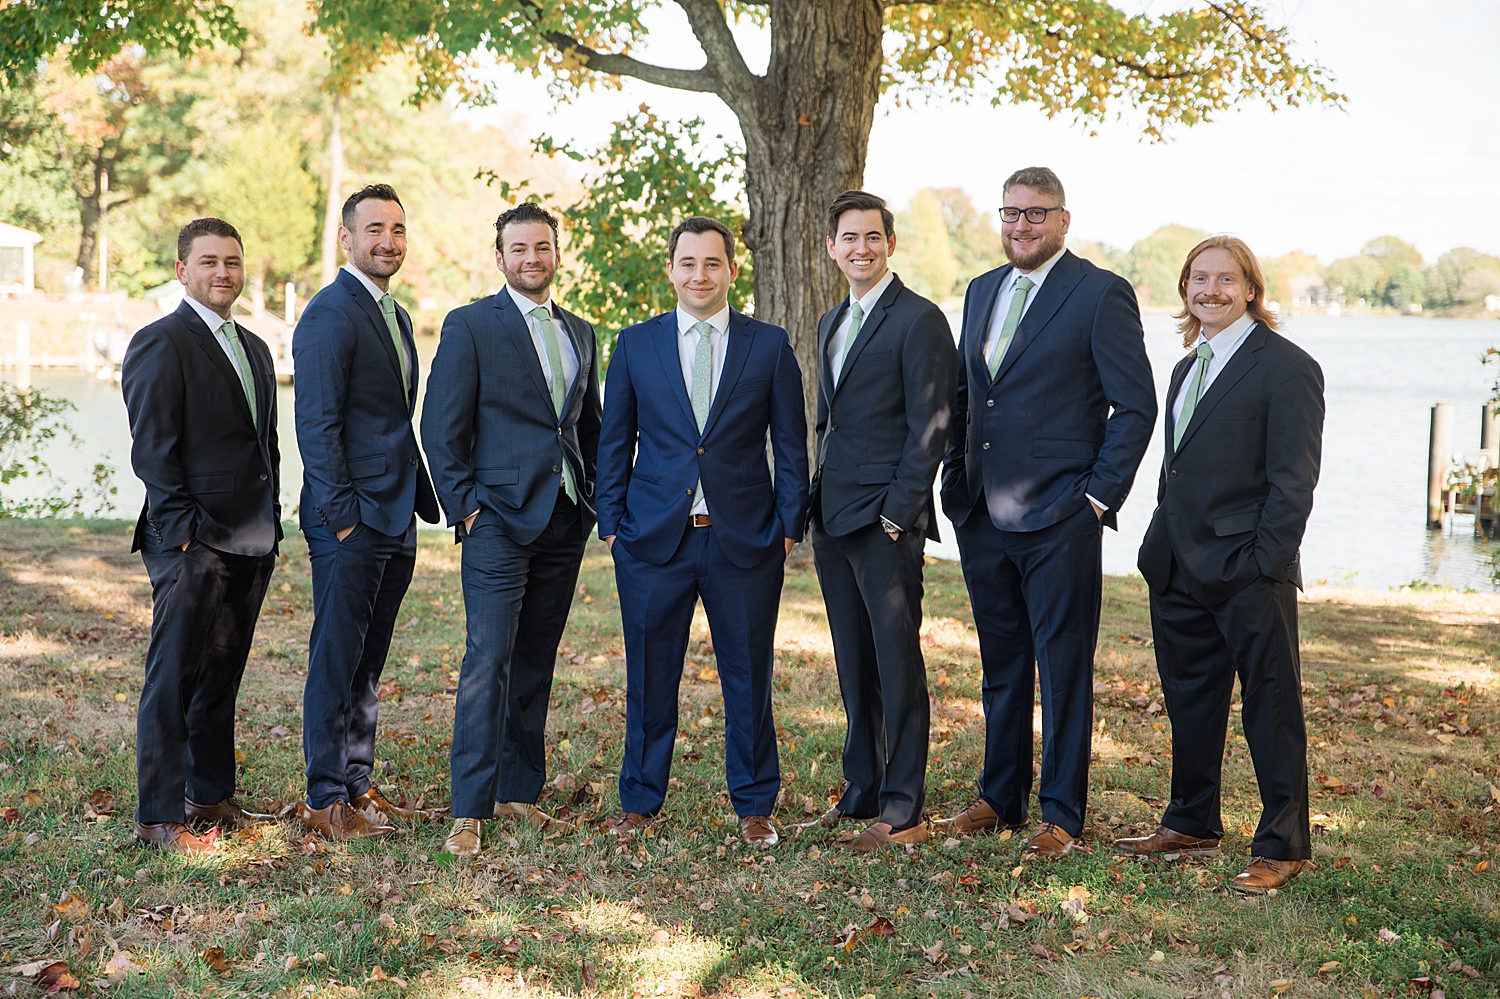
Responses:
[572,324]
[826,326]
[515,326]
[209,344]
[867,330]
[737,350]
[1239,365]
[371,309]
[976,335]
[1179,375]
[264,380]
[1061,281]
[671,362]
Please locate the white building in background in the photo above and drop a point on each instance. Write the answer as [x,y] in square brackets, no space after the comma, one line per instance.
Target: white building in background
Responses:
[17,259]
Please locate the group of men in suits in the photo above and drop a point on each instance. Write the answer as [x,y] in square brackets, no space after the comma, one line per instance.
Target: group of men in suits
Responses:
[695,471]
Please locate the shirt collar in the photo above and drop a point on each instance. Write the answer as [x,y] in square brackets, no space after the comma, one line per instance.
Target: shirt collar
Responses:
[210,318]
[364,279]
[1040,274]
[525,304]
[719,320]
[1225,342]
[867,302]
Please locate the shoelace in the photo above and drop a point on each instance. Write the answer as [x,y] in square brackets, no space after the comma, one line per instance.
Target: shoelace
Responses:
[465,825]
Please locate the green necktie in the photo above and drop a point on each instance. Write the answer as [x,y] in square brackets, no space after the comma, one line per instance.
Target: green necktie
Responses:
[247,380]
[1024,285]
[543,317]
[388,309]
[1195,392]
[856,318]
[703,380]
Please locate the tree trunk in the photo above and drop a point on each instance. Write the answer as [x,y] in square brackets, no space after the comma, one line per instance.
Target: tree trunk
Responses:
[806,135]
[335,194]
[258,291]
[89,216]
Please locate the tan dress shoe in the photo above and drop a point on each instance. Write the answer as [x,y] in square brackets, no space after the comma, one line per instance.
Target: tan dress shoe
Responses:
[758,831]
[978,817]
[627,824]
[881,834]
[1166,840]
[463,839]
[175,837]
[374,799]
[530,813]
[339,822]
[1265,874]
[1052,841]
[228,813]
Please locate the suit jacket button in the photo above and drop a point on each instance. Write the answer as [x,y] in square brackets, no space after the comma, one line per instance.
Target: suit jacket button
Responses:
[412,460]
[833,428]
[1174,473]
[986,445]
[559,431]
[263,476]
[557,468]
[990,403]
[700,450]
[690,493]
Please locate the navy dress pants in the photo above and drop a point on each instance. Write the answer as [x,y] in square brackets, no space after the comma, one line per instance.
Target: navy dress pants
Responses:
[358,584]
[1036,597]
[204,605]
[656,610]
[516,601]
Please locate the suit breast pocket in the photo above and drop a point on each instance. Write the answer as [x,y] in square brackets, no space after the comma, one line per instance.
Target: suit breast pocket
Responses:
[366,467]
[1235,414]
[497,476]
[210,482]
[752,387]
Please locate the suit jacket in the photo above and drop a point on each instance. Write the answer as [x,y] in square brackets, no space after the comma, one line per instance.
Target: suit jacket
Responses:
[883,428]
[1040,435]
[360,460]
[648,417]
[494,441]
[209,472]
[1234,497]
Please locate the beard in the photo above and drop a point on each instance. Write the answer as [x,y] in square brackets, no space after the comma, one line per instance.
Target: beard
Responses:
[530,282]
[1042,250]
[382,266]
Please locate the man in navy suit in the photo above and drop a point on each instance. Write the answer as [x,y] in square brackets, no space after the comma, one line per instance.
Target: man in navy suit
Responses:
[201,393]
[363,483]
[690,509]
[1054,412]
[511,427]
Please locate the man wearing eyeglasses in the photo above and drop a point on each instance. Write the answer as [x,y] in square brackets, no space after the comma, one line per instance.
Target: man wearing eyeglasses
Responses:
[1055,407]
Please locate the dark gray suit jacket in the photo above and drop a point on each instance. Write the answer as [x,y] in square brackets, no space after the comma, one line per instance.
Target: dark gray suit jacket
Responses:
[1234,498]
[883,428]
[493,439]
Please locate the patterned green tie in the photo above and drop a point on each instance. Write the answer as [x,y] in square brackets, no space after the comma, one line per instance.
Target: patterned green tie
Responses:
[703,379]
[1195,392]
[856,319]
[388,309]
[247,379]
[1024,285]
[543,317]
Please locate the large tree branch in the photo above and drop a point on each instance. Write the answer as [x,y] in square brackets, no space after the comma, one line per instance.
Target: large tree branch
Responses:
[712,31]
[617,64]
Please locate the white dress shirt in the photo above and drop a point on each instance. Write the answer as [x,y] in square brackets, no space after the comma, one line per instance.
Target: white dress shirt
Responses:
[568,356]
[687,354]
[1224,343]
[1007,292]
[837,346]
[215,323]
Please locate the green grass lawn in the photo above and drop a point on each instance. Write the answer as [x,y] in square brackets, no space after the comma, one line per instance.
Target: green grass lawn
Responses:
[1401,900]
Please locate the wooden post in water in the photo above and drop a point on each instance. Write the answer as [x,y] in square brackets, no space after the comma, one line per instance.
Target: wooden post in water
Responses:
[1439,454]
[1489,432]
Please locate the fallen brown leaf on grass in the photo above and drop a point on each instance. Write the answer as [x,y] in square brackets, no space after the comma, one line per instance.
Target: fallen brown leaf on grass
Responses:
[119,967]
[881,927]
[934,954]
[1280,985]
[99,802]
[31,798]
[1042,951]
[1328,966]
[10,816]
[1482,866]
[56,977]
[73,908]
[1388,935]
[215,959]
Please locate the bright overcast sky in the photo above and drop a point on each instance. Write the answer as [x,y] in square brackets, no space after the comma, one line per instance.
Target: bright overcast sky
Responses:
[1415,153]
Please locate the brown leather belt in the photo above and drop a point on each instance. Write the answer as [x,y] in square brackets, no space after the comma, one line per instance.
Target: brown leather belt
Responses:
[698,520]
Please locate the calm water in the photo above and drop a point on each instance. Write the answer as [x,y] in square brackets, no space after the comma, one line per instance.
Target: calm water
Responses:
[1383,375]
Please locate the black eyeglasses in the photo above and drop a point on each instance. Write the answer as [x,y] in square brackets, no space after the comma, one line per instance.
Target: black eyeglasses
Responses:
[1036,216]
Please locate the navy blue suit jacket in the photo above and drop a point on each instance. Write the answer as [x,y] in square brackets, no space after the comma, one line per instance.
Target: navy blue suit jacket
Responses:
[1068,413]
[209,472]
[651,454]
[493,437]
[360,460]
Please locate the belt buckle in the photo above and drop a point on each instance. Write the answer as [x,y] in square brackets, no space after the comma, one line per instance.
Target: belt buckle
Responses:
[698,520]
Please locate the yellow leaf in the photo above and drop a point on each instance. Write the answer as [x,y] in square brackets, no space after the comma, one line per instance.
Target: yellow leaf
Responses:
[1005,834]
[1157,957]
[1328,966]
[346,890]
[1016,871]
[1280,985]
[1482,866]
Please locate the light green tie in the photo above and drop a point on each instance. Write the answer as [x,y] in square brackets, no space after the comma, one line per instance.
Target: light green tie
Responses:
[1195,392]
[1024,285]
[543,317]
[856,319]
[703,379]
[388,309]
[247,379]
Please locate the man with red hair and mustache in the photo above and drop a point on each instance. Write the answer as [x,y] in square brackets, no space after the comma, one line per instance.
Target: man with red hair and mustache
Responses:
[1244,437]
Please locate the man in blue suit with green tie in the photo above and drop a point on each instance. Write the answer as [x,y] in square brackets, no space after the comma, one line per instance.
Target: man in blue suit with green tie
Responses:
[690,508]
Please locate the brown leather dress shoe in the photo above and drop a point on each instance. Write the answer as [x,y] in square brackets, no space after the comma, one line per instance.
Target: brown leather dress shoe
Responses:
[463,840]
[758,831]
[339,822]
[1052,841]
[627,824]
[1265,874]
[1166,840]
[531,813]
[175,837]
[374,799]
[228,813]
[881,834]
[978,817]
